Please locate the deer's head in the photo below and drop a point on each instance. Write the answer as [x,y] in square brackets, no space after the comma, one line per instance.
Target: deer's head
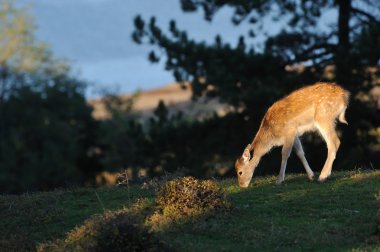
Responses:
[244,168]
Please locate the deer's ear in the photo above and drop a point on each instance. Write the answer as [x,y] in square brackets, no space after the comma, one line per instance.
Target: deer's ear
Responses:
[246,154]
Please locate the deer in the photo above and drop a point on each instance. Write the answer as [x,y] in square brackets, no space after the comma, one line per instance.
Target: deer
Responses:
[311,108]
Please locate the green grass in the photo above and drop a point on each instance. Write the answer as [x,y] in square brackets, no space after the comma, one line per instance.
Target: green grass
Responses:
[338,215]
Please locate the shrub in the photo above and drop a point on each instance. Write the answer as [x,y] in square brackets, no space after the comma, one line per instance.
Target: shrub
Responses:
[189,197]
[111,231]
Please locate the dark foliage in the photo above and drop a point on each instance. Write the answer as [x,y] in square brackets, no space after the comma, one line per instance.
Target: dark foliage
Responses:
[47,134]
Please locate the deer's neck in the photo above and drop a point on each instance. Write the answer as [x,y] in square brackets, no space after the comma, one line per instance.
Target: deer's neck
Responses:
[262,142]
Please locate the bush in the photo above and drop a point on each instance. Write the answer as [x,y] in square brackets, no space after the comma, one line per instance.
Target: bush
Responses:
[47,137]
[111,231]
[190,197]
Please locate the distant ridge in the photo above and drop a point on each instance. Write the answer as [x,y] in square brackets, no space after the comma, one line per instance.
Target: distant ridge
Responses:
[176,98]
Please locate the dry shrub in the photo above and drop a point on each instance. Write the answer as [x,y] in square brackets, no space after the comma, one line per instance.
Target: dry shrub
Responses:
[185,199]
[110,231]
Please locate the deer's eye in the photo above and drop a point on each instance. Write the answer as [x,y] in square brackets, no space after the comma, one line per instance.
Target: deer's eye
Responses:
[240,173]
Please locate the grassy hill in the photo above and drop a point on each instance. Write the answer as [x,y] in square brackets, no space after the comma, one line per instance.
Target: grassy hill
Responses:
[338,215]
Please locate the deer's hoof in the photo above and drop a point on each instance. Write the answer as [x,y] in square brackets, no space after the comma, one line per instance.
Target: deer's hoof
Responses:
[279,181]
[321,180]
[311,177]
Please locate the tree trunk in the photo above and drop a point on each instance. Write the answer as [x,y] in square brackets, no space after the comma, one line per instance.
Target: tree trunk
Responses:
[342,56]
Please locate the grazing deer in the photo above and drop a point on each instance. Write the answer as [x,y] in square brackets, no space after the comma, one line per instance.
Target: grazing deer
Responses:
[312,108]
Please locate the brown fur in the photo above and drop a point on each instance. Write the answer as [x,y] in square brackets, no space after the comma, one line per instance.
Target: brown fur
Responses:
[312,108]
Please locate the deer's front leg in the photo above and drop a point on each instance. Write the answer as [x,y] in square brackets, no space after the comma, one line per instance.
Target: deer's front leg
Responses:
[285,153]
[301,155]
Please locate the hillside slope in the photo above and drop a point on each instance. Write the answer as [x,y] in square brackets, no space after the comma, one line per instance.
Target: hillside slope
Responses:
[338,215]
[175,98]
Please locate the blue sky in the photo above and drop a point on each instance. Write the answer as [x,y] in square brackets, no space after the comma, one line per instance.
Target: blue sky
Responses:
[95,36]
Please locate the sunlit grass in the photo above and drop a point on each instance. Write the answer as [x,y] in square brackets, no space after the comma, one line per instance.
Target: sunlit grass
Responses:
[338,215]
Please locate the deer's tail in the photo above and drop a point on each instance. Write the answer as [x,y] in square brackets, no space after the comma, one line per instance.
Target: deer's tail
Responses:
[341,117]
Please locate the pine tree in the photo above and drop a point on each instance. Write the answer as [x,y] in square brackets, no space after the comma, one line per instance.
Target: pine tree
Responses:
[300,54]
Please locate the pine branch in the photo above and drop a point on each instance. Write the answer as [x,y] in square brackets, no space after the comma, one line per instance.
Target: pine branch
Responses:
[365,14]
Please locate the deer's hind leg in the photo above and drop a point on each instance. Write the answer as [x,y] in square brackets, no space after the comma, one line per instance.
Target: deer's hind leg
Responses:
[327,130]
[285,153]
[301,155]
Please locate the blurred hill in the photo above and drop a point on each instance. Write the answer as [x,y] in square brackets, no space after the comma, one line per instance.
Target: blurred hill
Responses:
[176,97]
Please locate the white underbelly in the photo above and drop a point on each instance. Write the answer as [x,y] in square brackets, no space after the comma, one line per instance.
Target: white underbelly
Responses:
[305,128]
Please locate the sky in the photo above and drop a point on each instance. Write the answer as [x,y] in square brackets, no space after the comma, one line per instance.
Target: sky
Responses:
[95,37]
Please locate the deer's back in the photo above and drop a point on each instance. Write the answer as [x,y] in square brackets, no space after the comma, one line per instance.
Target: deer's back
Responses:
[300,109]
